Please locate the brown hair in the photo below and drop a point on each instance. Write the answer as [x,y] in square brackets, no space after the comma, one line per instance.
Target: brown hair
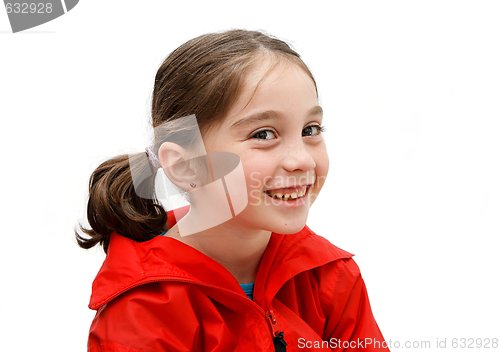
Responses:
[203,76]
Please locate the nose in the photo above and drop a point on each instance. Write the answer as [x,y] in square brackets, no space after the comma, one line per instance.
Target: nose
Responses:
[297,156]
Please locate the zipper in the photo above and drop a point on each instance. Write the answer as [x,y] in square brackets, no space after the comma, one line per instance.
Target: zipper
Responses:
[276,333]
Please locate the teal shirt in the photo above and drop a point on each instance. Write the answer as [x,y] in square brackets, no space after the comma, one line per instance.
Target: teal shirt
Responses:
[248,288]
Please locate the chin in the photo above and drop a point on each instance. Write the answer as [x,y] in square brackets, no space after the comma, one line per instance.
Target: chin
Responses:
[288,230]
[288,227]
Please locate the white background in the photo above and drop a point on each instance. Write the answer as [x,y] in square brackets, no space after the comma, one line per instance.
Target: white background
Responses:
[411,92]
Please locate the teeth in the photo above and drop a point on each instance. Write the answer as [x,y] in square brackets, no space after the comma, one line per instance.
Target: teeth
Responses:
[293,195]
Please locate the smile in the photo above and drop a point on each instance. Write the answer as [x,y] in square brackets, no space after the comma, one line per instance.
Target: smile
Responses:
[288,194]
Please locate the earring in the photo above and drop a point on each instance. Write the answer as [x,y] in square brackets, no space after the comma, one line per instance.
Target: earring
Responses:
[193,185]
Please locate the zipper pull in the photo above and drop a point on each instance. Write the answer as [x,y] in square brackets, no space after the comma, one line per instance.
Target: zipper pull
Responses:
[278,336]
[279,342]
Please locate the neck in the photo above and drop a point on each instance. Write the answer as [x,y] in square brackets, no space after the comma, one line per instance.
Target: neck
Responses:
[236,248]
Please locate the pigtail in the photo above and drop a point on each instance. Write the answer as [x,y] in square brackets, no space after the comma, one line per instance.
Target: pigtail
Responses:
[115,206]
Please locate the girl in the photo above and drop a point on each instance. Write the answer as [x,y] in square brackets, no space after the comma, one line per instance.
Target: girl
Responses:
[237,270]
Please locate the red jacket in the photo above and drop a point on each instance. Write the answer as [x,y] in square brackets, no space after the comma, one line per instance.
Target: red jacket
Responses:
[163,295]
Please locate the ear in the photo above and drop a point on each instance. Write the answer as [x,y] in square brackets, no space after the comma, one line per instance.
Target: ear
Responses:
[176,166]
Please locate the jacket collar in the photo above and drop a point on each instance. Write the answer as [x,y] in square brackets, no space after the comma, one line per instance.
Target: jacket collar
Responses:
[129,264]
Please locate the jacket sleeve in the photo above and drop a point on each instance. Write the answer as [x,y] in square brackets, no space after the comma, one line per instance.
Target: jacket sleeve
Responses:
[350,324]
[148,318]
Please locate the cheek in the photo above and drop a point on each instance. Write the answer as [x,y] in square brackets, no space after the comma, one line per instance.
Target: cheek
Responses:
[258,173]
[256,178]
[322,166]
[326,165]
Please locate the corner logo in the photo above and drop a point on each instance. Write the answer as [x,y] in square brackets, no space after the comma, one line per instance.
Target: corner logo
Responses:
[28,14]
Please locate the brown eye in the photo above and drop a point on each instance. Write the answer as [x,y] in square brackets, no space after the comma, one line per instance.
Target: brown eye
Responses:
[312,130]
[263,134]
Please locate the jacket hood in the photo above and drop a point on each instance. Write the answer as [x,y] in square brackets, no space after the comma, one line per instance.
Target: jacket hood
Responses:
[129,264]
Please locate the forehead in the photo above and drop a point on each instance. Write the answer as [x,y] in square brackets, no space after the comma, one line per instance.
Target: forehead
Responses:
[273,85]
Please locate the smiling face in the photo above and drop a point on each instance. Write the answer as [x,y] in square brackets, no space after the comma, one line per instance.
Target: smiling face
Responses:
[276,131]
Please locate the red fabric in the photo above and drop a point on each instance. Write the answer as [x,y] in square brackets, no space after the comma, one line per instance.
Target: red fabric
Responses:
[163,295]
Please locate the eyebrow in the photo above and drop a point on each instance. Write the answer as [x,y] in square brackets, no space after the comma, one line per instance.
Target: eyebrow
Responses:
[270,115]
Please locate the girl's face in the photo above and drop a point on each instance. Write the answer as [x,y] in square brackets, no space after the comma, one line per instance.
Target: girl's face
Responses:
[276,132]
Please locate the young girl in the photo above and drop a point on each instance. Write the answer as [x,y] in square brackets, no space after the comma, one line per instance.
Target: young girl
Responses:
[238,269]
